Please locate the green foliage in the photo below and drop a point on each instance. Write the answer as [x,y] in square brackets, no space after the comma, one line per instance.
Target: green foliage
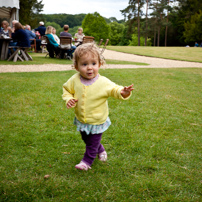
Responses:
[126,36]
[116,32]
[29,12]
[65,19]
[134,41]
[96,26]
[193,28]
[181,15]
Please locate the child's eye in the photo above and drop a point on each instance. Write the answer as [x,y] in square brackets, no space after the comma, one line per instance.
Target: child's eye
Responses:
[94,63]
[84,64]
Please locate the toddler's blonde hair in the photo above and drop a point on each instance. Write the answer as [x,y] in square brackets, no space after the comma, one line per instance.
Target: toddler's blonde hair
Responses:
[85,49]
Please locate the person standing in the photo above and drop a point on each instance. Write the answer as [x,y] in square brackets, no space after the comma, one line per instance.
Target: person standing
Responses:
[41,29]
[87,91]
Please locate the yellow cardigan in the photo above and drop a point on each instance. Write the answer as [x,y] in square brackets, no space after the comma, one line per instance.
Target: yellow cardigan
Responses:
[92,106]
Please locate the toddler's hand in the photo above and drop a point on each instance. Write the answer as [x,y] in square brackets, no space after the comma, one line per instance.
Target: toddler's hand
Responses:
[126,91]
[71,103]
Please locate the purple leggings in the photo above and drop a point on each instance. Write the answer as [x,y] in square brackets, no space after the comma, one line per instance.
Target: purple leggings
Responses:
[93,146]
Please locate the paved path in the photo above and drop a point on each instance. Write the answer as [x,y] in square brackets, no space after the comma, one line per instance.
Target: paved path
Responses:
[153,62]
[108,54]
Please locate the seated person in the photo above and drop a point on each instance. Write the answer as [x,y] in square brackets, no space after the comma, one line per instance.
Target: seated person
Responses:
[12,42]
[31,36]
[52,46]
[65,33]
[79,35]
[55,36]
[20,36]
[5,31]
[196,44]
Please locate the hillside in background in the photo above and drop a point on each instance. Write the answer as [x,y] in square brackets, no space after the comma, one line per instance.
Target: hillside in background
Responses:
[71,20]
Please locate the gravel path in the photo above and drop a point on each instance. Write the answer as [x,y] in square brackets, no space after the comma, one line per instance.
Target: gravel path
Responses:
[108,54]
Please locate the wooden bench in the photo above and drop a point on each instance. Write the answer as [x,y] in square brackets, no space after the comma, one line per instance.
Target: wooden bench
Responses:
[19,53]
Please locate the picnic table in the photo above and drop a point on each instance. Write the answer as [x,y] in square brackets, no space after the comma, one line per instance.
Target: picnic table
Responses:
[4,42]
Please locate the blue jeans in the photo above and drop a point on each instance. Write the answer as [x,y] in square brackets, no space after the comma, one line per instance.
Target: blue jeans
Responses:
[71,51]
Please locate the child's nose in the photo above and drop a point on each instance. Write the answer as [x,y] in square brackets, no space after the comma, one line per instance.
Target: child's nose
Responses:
[89,66]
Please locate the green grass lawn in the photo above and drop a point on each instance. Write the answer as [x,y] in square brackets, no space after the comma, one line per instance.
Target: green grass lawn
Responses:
[177,53]
[39,59]
[154,142]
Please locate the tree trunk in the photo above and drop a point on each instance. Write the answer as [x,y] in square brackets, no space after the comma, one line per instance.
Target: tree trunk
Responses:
[166,33]
[155,38]
[158,42]
[138,22]
[145,41]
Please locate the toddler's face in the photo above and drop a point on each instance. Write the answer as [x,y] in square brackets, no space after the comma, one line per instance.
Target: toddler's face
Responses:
[88,66]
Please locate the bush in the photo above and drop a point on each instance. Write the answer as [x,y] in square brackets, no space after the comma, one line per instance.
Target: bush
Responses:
[96,26]
[134,41]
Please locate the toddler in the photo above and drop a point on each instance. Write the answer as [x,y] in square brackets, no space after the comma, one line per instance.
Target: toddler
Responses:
[87,91]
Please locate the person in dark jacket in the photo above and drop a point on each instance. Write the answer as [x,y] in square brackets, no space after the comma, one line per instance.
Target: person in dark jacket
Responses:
[32,36]
[41,29]
[21,36]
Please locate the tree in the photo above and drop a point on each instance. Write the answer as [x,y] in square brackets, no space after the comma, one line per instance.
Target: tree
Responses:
[134,41]
[146,22]
[116,32]
[167,21]
[30,12]
[193,31]
[184,10]
[146,31]
[62,19]
[158,12]
[134,11]
[96,26]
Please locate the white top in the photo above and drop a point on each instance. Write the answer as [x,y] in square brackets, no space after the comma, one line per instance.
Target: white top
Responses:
[56,39]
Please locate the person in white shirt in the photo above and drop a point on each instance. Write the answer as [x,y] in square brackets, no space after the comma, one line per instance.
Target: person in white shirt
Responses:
[79,35]
[55,36]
